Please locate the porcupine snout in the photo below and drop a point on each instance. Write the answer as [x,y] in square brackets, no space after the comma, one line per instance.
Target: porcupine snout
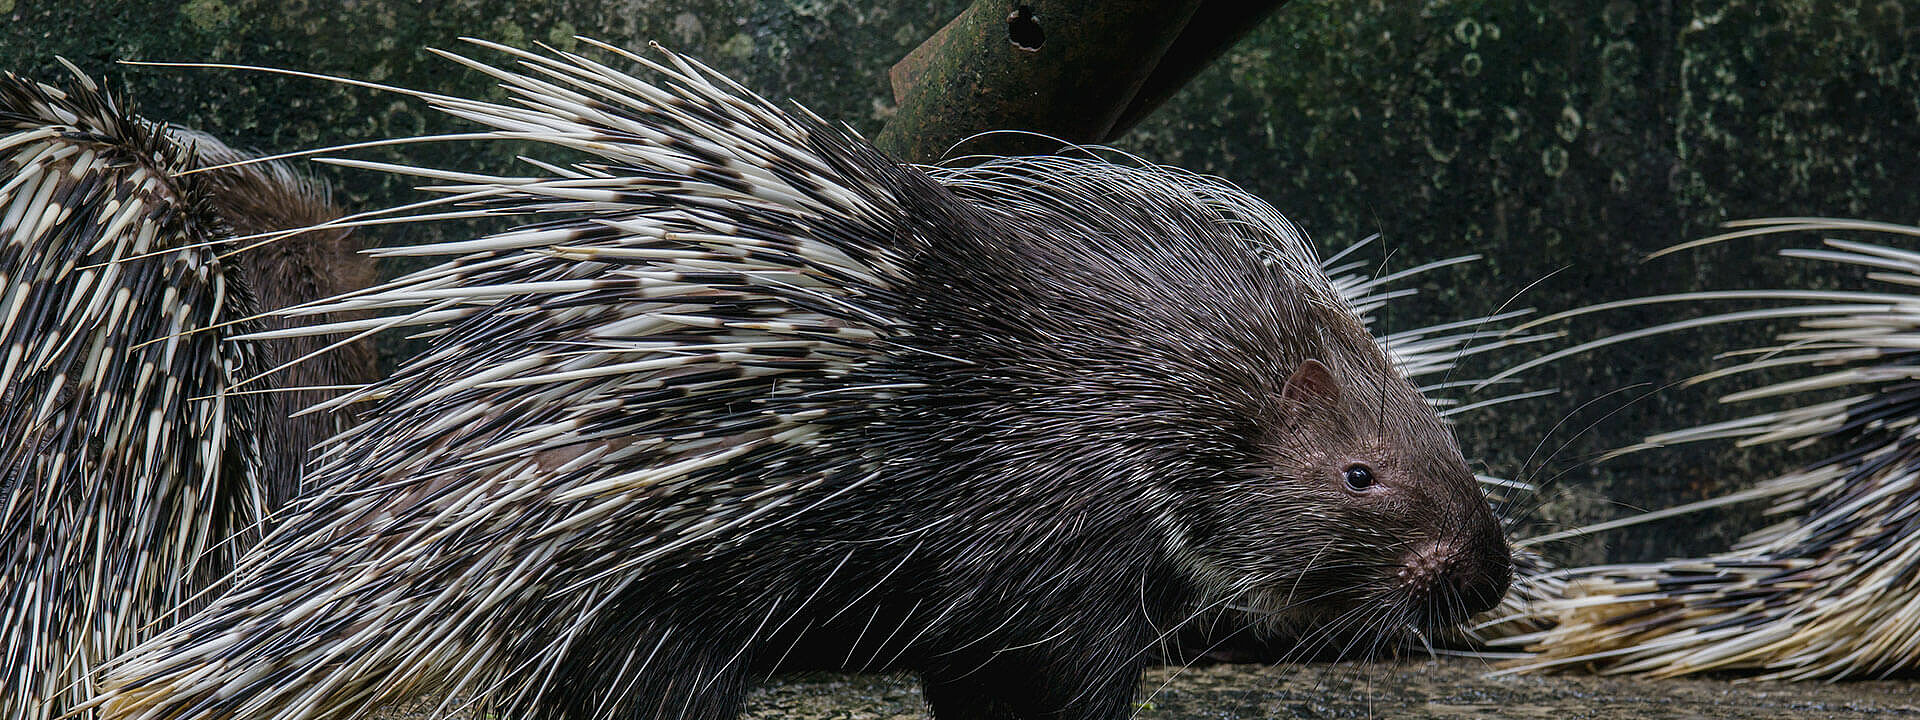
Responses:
[1458,576]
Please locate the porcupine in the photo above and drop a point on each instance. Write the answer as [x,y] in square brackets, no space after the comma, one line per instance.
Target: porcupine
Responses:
[755,399]
[1825,591]
[134,467]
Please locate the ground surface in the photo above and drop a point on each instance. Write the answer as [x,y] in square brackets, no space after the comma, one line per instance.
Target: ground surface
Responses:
[1445,689]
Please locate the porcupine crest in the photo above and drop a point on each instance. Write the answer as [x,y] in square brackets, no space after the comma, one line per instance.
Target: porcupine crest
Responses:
[758,399]
[130,467]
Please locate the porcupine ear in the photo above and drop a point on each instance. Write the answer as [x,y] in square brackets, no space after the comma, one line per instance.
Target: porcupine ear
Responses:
[1312,385]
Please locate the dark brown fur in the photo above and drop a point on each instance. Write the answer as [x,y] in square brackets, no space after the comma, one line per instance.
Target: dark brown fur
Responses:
[261,198]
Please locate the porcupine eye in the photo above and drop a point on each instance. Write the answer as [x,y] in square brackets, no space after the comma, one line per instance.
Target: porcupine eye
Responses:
[1359,477]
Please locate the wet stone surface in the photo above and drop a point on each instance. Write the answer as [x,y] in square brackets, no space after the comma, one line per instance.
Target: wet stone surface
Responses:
[1443,689]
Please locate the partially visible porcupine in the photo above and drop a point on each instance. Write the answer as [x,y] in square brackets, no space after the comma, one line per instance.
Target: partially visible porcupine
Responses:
[130,462]
[1826,592]
[753,398]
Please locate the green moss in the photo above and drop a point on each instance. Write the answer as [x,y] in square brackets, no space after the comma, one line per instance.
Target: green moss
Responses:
[738,47]
[207,15]
[562,36]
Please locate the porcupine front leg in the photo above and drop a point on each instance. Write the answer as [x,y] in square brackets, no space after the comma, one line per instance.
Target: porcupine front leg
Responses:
[1010,689]
[635,662]
[678,683]
[1049,675]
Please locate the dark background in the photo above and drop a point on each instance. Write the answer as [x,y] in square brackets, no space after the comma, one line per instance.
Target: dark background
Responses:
[1571,135]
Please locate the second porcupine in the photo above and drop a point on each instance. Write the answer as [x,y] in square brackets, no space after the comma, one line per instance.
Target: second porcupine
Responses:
[753,398]
[137,460]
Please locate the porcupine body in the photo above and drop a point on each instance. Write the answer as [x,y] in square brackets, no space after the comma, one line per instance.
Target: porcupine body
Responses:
[132,471]
[752,398]
[1826,592]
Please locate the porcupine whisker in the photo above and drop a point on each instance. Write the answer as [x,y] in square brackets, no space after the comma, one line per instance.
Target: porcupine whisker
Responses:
[1589,427]
[1310,643]
[1501,310]
[1321,637]
[1311,560]
[1349,665]
[1569,415]
[1503,399]
[1371,636]
[1187,664]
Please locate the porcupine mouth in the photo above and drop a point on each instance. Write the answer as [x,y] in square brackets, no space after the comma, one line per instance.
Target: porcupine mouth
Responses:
[1369,619]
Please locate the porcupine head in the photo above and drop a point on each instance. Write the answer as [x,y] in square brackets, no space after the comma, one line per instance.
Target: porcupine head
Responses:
[759,399]
[1297,471]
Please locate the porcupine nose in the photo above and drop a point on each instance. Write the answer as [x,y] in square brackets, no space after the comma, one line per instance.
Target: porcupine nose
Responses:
[1483,581]
[1460,577]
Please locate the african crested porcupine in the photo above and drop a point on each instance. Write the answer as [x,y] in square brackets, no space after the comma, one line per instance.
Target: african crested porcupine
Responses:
[1827,591]
[135,465]
[753,398]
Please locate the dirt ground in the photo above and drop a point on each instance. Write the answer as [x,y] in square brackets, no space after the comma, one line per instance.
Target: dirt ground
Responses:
[1424,689]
